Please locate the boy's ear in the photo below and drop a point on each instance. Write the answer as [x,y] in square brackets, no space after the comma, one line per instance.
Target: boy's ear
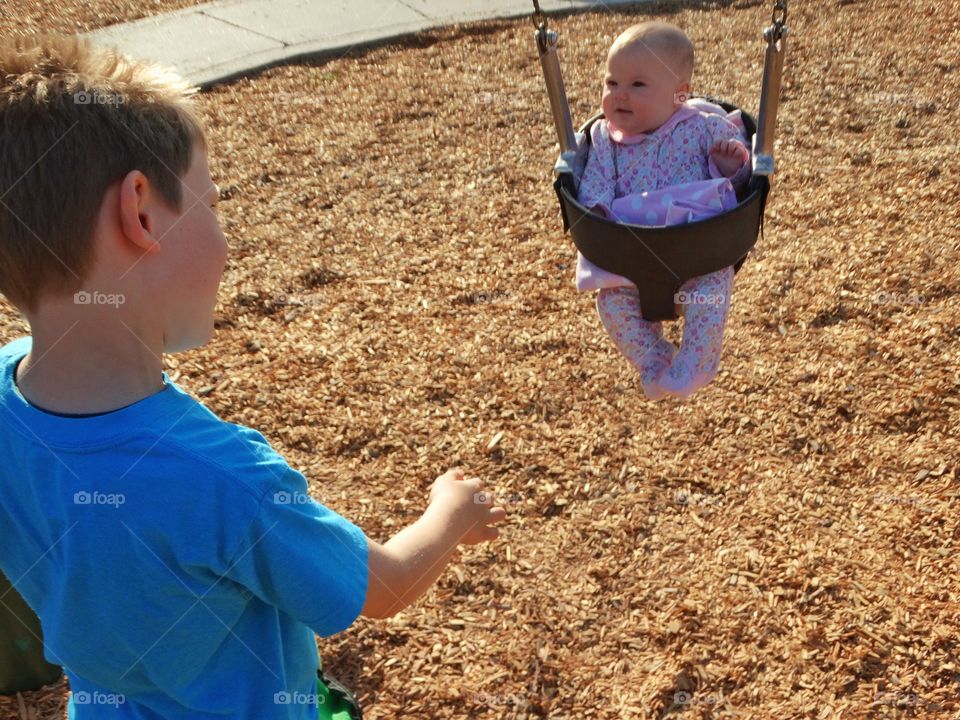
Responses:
[135,219]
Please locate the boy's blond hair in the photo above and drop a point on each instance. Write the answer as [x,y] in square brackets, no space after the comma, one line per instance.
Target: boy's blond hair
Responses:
[665,40]
[75,119]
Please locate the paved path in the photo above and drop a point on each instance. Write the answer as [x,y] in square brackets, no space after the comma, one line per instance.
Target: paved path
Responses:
[217,41]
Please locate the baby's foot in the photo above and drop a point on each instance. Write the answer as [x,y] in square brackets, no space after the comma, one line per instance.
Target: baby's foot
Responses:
[681,378]
[655,363]
[685,376]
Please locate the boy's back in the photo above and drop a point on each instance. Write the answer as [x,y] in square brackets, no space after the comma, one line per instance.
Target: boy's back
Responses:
[227,554]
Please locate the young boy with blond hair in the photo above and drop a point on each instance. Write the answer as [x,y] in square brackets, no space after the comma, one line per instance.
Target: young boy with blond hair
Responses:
[176,563]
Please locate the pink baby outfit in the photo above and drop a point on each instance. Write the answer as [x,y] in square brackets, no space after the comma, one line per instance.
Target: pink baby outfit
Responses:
[665,177]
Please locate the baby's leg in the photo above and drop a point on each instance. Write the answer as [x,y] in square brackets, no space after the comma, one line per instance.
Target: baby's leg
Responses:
[707,302]
[641,342]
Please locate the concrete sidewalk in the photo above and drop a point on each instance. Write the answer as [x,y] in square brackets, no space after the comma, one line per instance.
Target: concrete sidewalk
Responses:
[218,41]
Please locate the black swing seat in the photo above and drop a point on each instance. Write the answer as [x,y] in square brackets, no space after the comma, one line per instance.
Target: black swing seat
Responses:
[658,260]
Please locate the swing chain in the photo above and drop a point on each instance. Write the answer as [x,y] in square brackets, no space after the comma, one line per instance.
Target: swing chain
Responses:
[779,19]
[539,19]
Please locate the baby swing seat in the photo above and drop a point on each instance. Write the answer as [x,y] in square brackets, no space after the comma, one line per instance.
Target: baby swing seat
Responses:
[658,260]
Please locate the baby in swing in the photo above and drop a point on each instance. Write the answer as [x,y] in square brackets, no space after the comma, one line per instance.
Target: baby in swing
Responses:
[658,158]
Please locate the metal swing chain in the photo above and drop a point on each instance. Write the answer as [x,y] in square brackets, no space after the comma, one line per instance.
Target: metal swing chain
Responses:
[539,19]
[780,12]
[779,19]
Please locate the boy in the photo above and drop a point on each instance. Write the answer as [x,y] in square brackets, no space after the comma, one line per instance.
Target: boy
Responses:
[175,561]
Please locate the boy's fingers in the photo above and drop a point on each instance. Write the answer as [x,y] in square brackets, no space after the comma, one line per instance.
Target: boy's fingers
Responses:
[491,533]
[497,515]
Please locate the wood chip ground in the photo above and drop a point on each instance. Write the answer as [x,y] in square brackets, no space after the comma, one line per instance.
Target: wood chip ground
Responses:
[400,299]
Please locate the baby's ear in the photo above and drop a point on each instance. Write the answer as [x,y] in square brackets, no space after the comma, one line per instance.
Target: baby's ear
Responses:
[681,94]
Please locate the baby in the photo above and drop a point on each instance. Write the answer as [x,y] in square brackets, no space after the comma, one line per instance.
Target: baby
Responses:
[658,159]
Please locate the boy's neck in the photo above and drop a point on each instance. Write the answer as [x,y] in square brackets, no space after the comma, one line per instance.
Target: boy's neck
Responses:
[77,373]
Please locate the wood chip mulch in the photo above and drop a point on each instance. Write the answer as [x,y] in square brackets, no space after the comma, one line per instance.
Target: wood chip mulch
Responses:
[400,299]
[27,17]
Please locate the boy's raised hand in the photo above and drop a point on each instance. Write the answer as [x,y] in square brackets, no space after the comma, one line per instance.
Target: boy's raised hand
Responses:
[468,505]
[729,156]
[404,567]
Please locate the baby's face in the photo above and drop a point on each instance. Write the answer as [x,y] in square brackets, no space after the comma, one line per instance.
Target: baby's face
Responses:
[640,90]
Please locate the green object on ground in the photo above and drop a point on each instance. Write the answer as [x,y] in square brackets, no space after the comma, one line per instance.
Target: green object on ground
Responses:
[335,701]
[22,665]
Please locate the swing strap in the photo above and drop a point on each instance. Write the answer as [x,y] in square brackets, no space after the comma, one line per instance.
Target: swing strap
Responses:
[776,37]
[550,64]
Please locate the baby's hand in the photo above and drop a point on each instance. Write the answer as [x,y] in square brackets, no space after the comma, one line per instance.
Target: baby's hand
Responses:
[729,156]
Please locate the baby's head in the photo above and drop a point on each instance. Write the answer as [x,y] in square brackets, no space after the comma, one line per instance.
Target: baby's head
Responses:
[104,190]
[649,68]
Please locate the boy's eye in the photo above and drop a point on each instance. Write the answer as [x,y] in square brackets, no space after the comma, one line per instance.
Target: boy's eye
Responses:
[611,83]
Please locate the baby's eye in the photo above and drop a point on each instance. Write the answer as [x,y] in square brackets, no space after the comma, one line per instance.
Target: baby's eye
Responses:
[638,83]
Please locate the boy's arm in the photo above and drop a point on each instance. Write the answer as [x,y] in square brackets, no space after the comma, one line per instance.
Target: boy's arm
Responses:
[403,568]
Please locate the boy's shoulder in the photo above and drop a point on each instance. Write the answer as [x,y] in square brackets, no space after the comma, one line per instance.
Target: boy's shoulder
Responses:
[15,348]
[168,430]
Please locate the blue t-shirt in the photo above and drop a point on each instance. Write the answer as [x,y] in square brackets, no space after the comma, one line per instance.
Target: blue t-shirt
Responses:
[177,565]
